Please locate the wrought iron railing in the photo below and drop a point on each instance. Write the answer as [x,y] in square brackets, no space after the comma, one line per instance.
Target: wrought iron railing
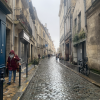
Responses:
[19,15]
[8,3]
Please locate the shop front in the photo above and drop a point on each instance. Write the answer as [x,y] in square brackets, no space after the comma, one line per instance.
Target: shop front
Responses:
[79,51]
[24,51]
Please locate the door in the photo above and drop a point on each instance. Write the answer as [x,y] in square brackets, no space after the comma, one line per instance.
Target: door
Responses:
[2,44]
[79,52]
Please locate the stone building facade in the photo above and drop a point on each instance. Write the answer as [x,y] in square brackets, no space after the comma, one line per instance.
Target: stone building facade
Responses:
[93,30]
[66,16]
[24,31]
[69,6]
[79,31]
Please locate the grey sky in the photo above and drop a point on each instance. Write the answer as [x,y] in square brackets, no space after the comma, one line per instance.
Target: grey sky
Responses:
[47,11]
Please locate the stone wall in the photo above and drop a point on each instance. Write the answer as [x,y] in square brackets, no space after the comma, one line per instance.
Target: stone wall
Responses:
[88,4]
[93,39]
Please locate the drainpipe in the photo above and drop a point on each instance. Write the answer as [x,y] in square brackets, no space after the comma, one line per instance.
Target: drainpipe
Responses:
[13,28]
[85,18]
[64,24]
[85,13]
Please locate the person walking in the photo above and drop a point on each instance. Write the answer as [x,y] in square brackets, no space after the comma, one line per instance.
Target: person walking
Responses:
[56,57]
[12,66]
[38,56]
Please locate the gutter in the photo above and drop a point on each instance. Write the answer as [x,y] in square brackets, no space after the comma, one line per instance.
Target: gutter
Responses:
[13,28]
[85,13]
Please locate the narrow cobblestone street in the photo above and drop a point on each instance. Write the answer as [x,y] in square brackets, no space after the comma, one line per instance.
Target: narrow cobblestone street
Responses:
[55,82]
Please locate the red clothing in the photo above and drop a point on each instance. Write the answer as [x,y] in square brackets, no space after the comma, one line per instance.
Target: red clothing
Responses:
[12,51]
[17,58]
[12,63]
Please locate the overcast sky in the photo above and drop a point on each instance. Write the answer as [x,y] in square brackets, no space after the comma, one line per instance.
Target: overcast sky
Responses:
[47,11]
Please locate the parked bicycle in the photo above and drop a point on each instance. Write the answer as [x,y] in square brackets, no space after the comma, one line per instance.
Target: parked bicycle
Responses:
[83,68]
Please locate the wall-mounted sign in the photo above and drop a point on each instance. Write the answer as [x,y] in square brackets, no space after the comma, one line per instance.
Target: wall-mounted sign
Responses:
[26,36]
[46,45]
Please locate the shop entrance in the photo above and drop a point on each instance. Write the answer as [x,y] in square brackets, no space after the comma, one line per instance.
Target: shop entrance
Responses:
[67,52]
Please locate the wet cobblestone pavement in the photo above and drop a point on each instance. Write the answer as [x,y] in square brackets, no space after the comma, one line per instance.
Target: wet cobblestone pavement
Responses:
[55,82]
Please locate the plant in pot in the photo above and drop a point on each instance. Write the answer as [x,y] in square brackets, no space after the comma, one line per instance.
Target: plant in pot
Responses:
[35,61]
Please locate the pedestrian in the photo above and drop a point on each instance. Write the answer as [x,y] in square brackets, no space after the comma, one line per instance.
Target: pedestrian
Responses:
[56,57]
[39,56]
[48,55]
[12,65]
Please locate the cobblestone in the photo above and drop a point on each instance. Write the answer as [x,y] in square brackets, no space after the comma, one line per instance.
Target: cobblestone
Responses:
[55,82]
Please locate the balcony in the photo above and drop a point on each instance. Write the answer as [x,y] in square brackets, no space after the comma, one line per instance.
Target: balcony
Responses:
[31,9]
[38,45]
[25,3]
[5,6]
[20,18]
[68,35]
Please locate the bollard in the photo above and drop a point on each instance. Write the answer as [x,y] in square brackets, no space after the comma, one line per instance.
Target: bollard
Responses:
[19,75]
[26,70]
[1,85]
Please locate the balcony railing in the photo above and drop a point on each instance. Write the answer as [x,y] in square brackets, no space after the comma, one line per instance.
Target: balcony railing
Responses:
[19,15]
[5,5]
[25,3]
[8,3]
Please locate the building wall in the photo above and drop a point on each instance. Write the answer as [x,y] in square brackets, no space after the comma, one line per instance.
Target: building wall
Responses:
[9,32]
[79,8]
[61,21]
[13,32]
[93,36]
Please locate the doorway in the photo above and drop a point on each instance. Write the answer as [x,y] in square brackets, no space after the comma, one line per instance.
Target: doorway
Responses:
[67,52]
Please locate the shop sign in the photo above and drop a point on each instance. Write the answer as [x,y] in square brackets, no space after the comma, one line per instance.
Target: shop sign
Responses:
[26,36]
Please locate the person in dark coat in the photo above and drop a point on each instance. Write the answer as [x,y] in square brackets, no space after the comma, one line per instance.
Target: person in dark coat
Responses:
[12,66]
[56,57]
[39,56]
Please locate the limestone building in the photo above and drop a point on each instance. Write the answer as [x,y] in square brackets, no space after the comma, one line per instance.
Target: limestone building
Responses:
[61,21]
[66,16]
[79,31]
[24,32]
[69,6]
[93,36]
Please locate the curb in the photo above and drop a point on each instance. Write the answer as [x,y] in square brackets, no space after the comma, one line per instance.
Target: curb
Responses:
[83,76]
[23,88]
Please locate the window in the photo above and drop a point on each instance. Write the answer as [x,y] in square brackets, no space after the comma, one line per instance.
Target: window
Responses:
[75,23]
[79,21]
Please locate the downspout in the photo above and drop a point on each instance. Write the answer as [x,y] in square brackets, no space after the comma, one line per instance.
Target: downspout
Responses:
[85,17]
[64,24]
[13,28]
[85,13]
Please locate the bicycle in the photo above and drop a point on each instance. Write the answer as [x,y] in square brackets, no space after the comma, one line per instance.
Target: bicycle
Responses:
[84,69]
